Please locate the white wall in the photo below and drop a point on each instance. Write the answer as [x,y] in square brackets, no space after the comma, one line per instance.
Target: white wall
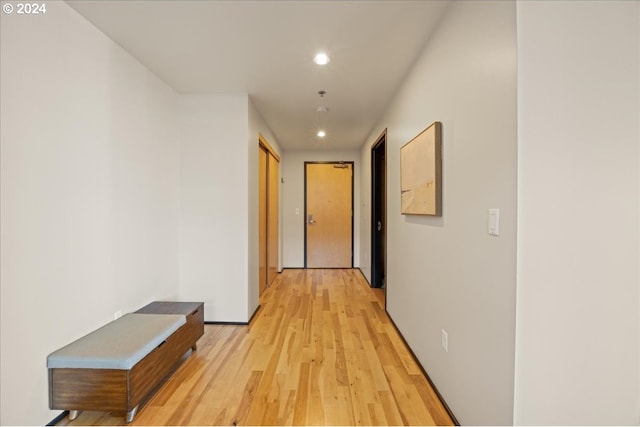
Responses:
[448,272]
[578,204]
[292,171]
[214,252]
[219,194]
[89,194]
[257,126]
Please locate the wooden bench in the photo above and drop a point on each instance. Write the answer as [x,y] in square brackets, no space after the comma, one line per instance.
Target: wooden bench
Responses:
[119,366]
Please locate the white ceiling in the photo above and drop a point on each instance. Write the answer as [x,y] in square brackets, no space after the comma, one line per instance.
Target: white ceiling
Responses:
[265,49]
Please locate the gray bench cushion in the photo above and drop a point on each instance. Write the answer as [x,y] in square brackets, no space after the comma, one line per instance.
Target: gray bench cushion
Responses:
[119,344]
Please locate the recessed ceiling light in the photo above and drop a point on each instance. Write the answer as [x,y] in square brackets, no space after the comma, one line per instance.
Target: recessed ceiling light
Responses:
[321,133]
[321,58]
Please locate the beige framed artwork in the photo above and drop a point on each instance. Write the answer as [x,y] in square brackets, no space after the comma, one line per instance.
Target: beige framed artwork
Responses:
[421,173]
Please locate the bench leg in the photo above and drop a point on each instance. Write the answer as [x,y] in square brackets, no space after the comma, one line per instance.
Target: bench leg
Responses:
[131,414]
[73,415]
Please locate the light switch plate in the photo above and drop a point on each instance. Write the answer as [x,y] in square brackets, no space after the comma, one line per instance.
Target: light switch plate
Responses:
[494,222]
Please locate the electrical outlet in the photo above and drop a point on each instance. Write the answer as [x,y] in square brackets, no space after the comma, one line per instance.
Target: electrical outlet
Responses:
[117,314]
[445,341]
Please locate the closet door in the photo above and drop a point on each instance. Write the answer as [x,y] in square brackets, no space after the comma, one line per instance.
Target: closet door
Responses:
[269,184]
[272,218]
[262,194]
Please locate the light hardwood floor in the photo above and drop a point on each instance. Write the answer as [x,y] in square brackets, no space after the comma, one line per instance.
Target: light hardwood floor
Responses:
[320,351]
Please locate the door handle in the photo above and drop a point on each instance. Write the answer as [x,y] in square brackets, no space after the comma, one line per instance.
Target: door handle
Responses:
[311,220]
[379,225]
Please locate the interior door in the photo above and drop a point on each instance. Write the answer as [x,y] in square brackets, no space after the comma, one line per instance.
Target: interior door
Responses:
[272,218]
[329,215]
[379,212]
[262,194]
[268,186]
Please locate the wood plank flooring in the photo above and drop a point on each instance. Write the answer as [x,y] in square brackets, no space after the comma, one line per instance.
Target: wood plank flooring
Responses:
[321,351]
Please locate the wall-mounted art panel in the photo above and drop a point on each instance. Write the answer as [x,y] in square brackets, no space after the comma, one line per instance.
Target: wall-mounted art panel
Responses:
[421,173]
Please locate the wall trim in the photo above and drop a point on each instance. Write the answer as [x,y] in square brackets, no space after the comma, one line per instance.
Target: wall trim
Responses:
[364,277]
[415,358]
[226,323]
[424,372]
[57,419]
[209,322]
[255,312]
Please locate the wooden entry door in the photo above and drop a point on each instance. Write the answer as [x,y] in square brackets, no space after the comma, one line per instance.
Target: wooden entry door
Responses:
[329,215]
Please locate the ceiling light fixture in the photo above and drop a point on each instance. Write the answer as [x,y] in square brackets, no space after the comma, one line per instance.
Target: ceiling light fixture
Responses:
[321,133]
[321,58]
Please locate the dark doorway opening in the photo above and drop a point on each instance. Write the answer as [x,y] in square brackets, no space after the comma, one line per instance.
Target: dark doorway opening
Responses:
[379,212]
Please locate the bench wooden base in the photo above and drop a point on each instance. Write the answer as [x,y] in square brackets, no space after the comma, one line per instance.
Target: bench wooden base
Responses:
[119,390]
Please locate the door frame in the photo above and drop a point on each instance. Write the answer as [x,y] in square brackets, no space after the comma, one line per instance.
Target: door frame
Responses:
[304,219]
[379,203]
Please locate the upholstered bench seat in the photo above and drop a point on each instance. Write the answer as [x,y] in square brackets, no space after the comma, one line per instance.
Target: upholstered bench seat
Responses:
[119,366]
[119,344]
